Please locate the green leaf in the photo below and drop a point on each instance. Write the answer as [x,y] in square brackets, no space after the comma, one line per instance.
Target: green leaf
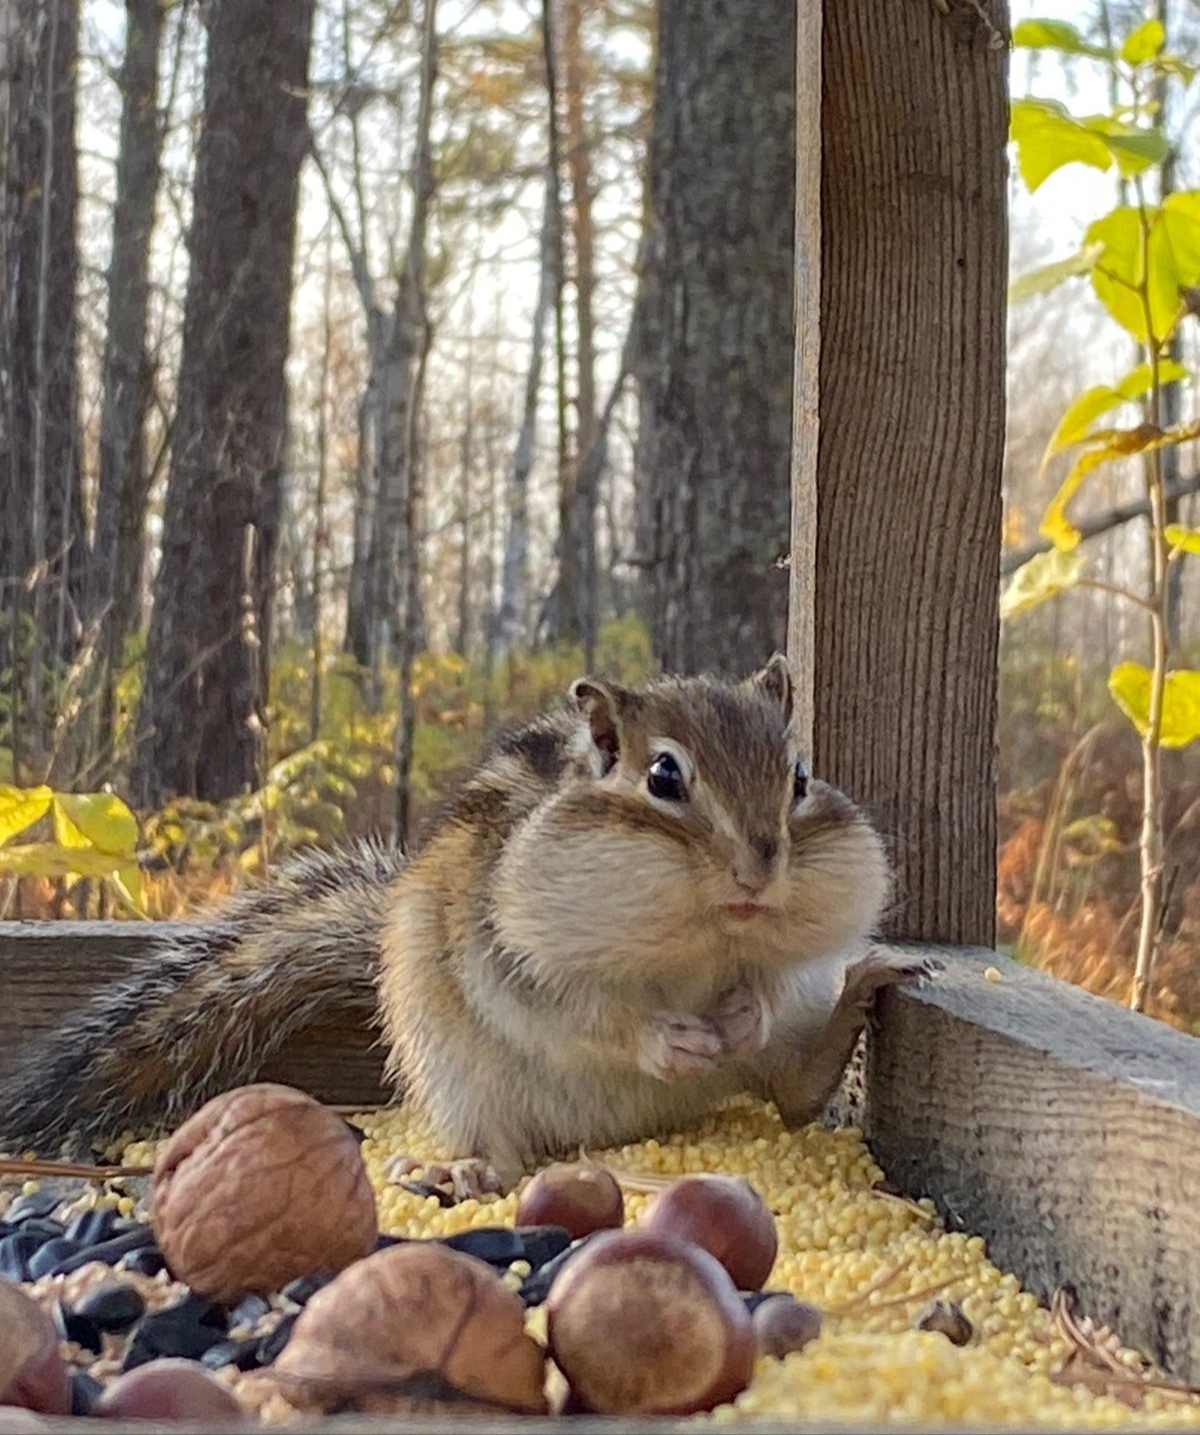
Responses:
[1056,35]
[1101,398]
[1173,248]
[1177,66]
[1049,276]
[1174,254]
[20,807]
[1047,137]
[1041,578]
[1117,273]
[1134,149]
[1187,540]
[1143,43]
[95,819]
[1129,684]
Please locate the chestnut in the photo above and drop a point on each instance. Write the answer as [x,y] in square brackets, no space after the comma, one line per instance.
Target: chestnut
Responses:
[724,1215]
[641,1323]
[580,1197]
[168,1389]
[33,1375]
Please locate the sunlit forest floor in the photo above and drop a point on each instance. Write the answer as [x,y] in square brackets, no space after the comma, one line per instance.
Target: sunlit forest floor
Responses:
[1068,806]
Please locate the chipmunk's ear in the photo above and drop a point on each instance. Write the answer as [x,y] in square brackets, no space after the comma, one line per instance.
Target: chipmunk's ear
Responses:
[775,682]
[601,703]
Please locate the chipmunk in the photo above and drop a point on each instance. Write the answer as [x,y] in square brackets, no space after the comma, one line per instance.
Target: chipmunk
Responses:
[637,906]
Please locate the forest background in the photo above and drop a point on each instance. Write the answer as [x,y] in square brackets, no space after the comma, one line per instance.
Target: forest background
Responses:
[371,368]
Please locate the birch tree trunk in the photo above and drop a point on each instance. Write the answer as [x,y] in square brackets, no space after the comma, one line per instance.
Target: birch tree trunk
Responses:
[200,724]
[124,477]
[513,616]
[714,362]
[408,554]
[578,598]
[397,341]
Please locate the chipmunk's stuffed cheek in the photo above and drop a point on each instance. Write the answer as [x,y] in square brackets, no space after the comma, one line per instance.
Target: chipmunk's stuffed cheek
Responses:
[836,893]
[588,895]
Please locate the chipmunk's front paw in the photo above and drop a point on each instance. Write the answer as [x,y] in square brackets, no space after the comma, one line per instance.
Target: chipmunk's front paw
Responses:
[675,1046]
[469,1179]
[881,968]
[742,1020]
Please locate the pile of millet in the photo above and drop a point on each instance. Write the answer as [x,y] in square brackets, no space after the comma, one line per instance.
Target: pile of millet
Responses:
[912,1324]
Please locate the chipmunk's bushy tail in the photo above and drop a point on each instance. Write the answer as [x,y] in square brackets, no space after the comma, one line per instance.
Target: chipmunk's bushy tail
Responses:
[204,1010]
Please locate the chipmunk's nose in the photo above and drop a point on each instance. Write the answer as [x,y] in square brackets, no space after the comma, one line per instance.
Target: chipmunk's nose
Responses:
[755,865]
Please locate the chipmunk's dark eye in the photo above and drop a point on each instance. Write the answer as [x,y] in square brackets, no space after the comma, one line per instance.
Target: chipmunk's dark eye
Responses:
[800,782]
[665,779]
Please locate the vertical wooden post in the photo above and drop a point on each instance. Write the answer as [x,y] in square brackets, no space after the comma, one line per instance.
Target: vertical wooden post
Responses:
[806,373]
[911,243]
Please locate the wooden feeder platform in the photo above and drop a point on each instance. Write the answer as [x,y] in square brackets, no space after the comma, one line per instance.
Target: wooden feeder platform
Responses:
[1062,1128]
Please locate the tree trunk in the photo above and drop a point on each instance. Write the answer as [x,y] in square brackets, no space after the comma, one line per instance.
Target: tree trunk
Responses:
[43,545]
[397,340]
[124,478]
[408,544]
[913,259]
[578,598]
[512,618]
[201,718]
[714,362]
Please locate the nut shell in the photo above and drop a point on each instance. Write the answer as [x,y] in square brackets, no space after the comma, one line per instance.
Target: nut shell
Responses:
[262,1185]
[640,1323]
[414,1326]
[33,1375]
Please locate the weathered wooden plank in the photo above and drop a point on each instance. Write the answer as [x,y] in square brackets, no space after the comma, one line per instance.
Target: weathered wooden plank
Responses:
[1062,1128]
[48,969]
[528,1425]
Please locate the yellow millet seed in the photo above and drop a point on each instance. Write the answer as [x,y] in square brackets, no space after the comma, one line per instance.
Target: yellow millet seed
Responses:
[869,1260]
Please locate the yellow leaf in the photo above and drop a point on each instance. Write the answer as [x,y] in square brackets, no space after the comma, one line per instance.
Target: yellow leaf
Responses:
[1143,43]
[1041,578]
[1089,405]
[127,881]
[1110,443]
[20,807]
[95,819]
[1129,684]
[51,859]
[1187,540]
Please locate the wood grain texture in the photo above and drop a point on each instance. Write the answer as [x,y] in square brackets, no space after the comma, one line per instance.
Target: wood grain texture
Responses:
[913,257]
[49,969]
[806,372]
[1062,1128]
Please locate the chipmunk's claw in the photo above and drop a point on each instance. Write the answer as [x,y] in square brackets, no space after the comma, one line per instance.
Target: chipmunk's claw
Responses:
[468,1179]
[741,1021]
[882,967]
[677,1045]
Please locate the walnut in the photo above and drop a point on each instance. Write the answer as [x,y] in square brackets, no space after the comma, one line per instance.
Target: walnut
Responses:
[415,1327]
[262,1185]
